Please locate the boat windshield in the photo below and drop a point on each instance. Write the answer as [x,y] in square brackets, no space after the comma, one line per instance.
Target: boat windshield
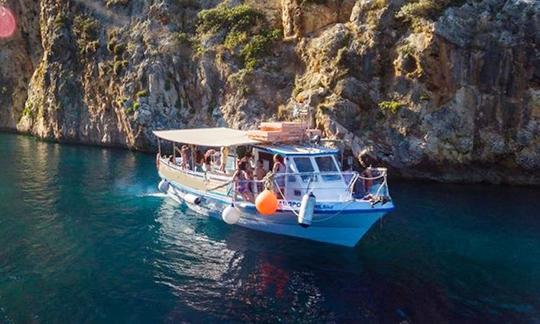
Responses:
[303,165]
[326,164]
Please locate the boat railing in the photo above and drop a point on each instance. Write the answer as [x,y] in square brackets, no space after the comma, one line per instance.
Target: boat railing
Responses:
[346,184]
[372,182]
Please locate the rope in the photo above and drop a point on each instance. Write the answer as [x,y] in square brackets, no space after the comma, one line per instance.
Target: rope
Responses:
[220,186]
[268,181]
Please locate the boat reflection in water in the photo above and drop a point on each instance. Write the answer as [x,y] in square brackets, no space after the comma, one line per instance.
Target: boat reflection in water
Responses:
[206,267]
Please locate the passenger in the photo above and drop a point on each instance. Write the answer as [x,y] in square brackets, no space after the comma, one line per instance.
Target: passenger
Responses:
[241,180]
[207,164]
[367,176]
[184,154]
[223,158]
[199,161]
[248,158]
[278,170]
[260,173]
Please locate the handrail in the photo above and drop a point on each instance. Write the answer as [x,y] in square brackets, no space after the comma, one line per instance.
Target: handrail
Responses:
[378,182]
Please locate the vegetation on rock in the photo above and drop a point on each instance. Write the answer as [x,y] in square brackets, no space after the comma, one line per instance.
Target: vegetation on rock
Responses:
[111,3]
[60,20]
[248,34]
[239,18]
[86,29]
[390,106]
[258,46]
[417,12]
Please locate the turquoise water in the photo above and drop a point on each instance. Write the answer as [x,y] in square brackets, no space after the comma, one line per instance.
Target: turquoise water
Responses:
[85,237]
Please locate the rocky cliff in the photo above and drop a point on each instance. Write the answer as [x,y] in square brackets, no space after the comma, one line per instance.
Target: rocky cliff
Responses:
[439,89]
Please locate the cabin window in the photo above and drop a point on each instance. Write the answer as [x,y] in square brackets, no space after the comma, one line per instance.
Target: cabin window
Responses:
[326,164]
[292,169]
[303,165]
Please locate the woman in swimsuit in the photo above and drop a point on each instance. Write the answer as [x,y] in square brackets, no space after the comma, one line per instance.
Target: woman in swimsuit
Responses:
[278,168]
[241,181]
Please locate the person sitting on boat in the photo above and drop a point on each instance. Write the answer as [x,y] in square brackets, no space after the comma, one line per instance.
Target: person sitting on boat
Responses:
[241,180]
[279,167]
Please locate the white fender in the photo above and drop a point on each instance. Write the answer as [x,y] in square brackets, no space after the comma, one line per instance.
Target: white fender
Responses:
[192,199]
[163,186]
[230,215]
[306,209]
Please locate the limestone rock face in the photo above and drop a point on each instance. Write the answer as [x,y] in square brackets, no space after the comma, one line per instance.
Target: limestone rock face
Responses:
[448,93]
[18,58]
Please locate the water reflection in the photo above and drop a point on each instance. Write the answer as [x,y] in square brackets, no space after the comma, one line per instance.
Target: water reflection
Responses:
[232,273]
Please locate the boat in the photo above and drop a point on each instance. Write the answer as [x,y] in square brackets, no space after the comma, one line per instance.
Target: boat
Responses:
[315,199]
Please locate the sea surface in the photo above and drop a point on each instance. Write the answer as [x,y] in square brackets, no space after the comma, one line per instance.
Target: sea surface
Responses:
[86,238]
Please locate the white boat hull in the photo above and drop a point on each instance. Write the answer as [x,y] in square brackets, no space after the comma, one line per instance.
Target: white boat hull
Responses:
[335,223]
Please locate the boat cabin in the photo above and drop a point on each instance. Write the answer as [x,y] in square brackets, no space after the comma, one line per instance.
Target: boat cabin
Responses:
[308,168]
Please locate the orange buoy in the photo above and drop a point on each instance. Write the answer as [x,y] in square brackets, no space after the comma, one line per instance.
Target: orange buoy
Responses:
[266,202]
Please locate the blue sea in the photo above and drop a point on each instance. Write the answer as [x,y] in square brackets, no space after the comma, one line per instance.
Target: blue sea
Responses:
[86,238]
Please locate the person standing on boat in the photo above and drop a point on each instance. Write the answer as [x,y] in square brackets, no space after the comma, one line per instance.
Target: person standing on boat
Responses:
[184,154]
[248,159]
[223,158]
[207,164]
[260,173]
[279,170]
[242,181]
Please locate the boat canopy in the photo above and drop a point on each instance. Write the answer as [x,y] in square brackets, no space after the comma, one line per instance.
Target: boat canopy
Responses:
[297,150]
[216,137]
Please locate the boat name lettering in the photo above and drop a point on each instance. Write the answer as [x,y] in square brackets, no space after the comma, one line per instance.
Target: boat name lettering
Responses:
[297,204]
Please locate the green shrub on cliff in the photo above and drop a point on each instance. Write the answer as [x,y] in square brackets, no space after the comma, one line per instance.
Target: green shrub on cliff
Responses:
[235,39]
[258,46]
[60,20]
[28,108]
[119,66]
[247,32]
[390,106]
[142,93]
[86,28]
[134,108]
[239,18]
[415,11]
